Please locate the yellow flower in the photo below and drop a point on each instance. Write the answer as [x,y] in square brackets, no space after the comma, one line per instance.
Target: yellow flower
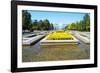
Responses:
[59,35]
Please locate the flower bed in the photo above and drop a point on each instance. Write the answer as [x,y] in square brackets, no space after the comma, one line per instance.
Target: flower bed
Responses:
[60,35]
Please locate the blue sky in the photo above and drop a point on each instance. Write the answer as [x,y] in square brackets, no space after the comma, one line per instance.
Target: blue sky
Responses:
[59,18]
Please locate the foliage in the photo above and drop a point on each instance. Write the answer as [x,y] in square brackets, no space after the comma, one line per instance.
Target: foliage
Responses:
[28,24]
[26,20]
[42,25]
[82,25]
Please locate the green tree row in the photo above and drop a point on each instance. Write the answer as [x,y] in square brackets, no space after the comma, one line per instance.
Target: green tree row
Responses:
[82,25]
[28,24]
[42,25]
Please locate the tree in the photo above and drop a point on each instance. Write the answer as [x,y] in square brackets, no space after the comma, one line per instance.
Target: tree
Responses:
[26,20]
[35,25]
[72,26]
[51,26]
[42,25]
[46,24]
[82,25]
[86,21]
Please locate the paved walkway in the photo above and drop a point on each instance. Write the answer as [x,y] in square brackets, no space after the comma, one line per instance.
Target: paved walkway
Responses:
[83,36]
[29,41]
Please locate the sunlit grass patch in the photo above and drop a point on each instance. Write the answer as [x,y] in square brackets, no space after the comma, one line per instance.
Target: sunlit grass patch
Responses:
[60,35]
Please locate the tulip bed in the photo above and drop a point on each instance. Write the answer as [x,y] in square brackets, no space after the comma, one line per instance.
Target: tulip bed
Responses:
[59,35]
